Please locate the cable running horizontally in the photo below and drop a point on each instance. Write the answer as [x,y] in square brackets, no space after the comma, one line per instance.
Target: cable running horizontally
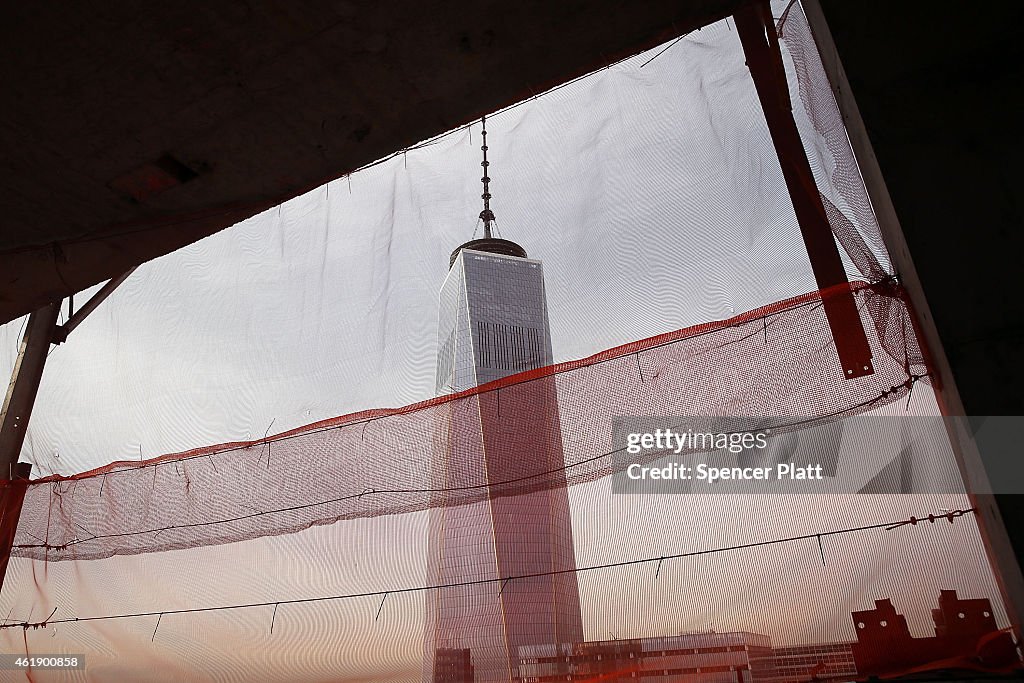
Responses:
[912,521]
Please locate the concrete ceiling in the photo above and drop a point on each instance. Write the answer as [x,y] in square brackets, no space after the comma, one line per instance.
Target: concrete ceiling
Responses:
[131,130]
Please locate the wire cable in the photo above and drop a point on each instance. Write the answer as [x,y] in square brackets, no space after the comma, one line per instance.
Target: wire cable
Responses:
[889,526]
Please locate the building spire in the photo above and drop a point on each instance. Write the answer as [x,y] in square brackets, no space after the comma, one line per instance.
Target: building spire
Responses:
[488,243]
[487,216]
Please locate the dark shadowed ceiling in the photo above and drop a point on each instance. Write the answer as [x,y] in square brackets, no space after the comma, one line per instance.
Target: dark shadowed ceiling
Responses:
[131,129]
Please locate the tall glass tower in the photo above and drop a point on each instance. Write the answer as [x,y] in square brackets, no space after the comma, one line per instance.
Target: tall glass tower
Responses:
[493,322]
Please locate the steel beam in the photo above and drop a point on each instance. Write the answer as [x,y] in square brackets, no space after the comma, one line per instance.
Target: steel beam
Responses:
[756,30]
[17,408]
[76,317]
[21,393]
[42,331]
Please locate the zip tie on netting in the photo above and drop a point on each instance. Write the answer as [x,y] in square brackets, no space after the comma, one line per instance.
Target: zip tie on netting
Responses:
[26,625]
[908,384]
[910,393]
[267,440]
[158,619]
[47,546]
[949,515]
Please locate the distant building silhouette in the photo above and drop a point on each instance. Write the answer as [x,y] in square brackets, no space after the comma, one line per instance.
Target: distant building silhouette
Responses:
[965,637]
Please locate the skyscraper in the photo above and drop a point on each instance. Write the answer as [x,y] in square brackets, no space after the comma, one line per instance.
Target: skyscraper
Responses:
[493,322]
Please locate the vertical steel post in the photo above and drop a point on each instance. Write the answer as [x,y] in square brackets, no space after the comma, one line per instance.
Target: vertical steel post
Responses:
[17,408]
[21,393]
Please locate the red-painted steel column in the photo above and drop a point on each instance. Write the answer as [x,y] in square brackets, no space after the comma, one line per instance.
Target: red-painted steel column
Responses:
[12,494]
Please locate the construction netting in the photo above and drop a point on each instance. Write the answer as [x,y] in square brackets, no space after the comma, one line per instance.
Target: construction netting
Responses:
[378,462]
[479,535]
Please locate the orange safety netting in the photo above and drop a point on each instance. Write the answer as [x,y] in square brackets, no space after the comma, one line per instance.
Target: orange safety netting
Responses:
[779,360]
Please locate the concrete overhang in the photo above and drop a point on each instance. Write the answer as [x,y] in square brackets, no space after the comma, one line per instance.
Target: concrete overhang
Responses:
[130,130]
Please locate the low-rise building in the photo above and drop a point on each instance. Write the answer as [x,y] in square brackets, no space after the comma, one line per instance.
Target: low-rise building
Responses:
[803,663]
[705,657]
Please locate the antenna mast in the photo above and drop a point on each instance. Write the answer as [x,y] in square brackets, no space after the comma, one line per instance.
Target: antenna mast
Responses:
[487,216]
[488,243]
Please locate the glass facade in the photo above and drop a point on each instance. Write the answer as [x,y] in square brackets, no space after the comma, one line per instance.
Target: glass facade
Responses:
[493,323]
[802,663]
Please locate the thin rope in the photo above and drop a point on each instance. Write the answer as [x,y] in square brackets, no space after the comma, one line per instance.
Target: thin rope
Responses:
[912,521]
